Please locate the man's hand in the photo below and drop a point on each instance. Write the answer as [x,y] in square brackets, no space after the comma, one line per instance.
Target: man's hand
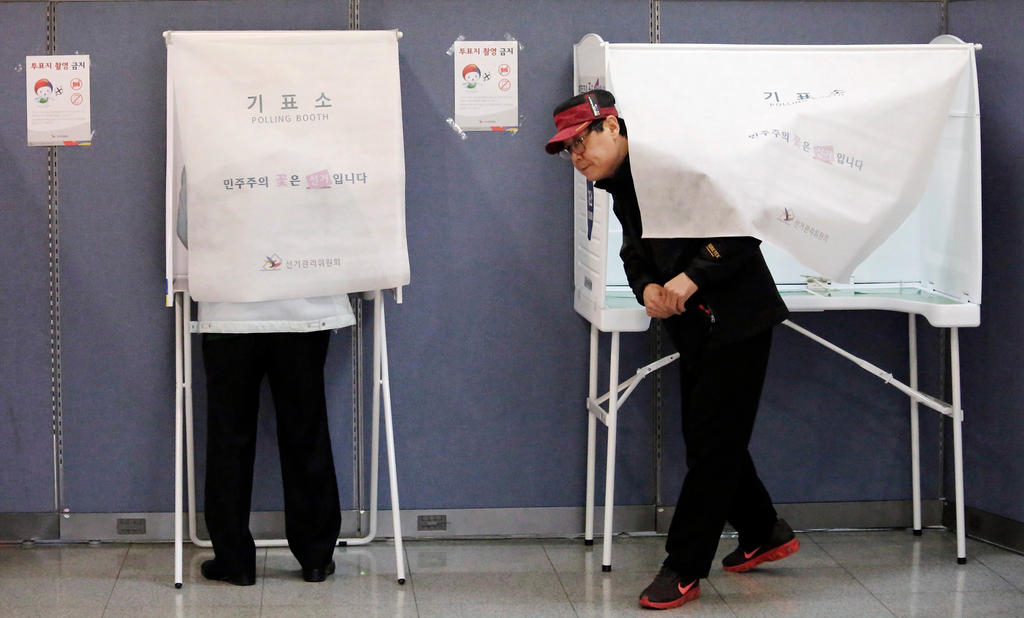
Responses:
[657,302]
[678,290]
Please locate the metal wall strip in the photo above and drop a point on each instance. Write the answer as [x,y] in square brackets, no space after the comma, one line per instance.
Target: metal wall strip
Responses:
[655,21]
[358,475]
[507,522]
[53,233]
[657,404]
[359,499]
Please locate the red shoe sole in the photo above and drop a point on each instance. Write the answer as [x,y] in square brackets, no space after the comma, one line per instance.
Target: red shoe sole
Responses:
[780,552]
[691,595]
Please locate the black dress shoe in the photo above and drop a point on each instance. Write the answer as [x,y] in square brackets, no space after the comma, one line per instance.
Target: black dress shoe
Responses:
[212,570]
[318,574]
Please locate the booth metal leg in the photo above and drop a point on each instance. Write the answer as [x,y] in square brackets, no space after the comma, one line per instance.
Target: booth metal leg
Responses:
[178,414]
[382,391]
[915,430]
[385,386]
[958,446]
[609,477]
[190,460]
[190,456]
[588,536]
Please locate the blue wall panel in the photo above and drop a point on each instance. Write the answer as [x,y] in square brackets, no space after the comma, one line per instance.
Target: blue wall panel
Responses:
[118,357]
[26,438]
[992,354]
[489,359]
[799,23]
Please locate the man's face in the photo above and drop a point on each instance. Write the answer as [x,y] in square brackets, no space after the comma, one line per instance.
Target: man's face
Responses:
[603,152]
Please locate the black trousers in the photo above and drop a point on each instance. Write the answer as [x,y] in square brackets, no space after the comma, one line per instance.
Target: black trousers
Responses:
[721,388]
[294,364]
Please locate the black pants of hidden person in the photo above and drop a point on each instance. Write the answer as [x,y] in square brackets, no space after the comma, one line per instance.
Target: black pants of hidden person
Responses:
[294,365]
[721,388]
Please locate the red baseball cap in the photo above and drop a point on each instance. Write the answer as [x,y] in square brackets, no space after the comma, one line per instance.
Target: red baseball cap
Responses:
[572,121]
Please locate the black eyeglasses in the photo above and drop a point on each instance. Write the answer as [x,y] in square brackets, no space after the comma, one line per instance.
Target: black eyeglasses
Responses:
[575,147]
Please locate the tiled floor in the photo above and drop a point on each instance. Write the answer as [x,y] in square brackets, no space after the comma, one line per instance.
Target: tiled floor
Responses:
[881,573]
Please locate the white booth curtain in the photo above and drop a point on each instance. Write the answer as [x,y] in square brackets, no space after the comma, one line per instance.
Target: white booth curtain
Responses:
[288,151]
[820,151]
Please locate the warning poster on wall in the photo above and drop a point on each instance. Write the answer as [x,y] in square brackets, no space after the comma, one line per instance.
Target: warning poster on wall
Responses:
[58,100]
[486,85]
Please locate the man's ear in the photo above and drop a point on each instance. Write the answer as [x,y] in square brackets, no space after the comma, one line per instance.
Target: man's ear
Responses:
[611,123]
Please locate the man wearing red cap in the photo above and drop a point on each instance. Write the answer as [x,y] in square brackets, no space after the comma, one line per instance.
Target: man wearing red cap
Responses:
[718,302]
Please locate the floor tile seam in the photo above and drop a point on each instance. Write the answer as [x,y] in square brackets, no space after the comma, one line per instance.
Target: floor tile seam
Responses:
[263,579]
[856,579]
[805,538]
[117,578]
[871,592]
[1000,576]
[930,593]
[1017,588]
[721,596]
[991,571]
[410,580]
[558,576]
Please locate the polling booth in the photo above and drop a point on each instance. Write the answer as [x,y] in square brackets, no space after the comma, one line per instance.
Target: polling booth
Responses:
[857,166]
[284,181]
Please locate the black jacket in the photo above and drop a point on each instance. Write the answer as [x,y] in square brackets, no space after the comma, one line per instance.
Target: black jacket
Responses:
[736,296]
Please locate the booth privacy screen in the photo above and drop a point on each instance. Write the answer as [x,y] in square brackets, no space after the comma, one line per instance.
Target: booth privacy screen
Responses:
[286,170]
[820,151]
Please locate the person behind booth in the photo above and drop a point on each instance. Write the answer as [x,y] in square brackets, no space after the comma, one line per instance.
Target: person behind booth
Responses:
[286,341]
[719,304]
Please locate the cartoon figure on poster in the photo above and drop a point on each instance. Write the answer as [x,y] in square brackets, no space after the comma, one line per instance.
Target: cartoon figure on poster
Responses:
[473,76]
[43,90]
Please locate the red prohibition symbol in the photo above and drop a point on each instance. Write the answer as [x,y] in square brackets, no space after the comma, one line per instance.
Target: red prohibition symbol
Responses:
[77,98]
[504,84]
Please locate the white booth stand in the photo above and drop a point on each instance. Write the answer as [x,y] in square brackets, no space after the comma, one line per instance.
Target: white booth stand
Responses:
[183,431]
[930,266]
[280,197]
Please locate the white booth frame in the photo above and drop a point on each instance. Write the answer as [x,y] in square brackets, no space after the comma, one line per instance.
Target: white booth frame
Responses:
[948,299]
[183,432]
[177,294]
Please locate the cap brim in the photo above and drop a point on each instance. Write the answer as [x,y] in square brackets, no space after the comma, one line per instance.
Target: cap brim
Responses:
[554,145]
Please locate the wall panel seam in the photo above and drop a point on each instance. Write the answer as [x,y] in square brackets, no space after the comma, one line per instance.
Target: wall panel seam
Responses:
[53,241]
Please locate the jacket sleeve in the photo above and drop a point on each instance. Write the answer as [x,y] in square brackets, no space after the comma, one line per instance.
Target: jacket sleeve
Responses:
[639,270]
[720,258]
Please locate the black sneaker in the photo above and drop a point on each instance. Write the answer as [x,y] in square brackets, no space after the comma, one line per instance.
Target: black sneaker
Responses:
[211,569]
[780,544]
[668,591]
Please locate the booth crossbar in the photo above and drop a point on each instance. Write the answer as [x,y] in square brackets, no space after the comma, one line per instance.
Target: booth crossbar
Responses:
[609,419]
[183,412]
[918,397]
[953,411]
